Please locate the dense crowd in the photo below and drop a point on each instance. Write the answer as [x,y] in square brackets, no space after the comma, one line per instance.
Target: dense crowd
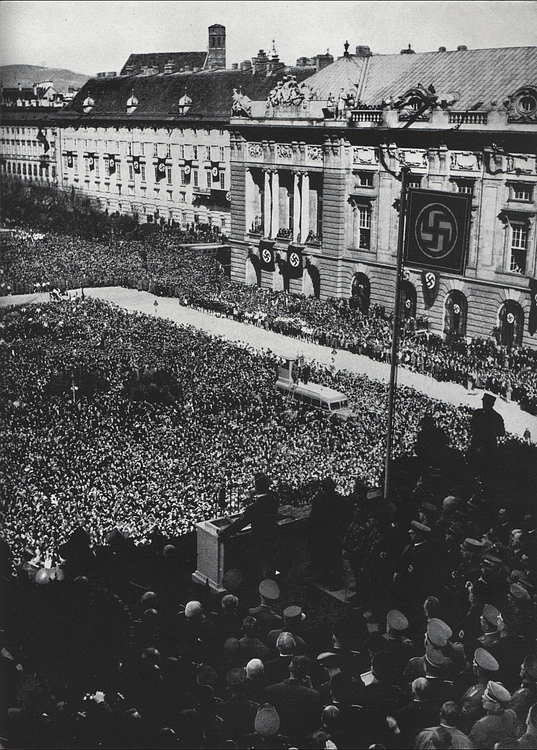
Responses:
[34,262]
[82,444]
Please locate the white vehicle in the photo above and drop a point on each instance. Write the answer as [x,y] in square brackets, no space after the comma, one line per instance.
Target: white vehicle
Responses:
[314,395]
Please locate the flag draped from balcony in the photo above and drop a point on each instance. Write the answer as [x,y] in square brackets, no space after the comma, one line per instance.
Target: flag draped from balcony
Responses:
[160,169]
[91,161]
[188,169]
[42,138]
[294,262]
[266,255]
[136,164]
[111,159]
[215,171]
[70,160]
[430,283]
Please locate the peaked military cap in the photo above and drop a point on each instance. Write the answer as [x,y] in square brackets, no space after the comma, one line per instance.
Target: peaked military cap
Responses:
[519,592]
[438,632]
[473,545]
[492,615]
[484,660]
[497,693]
[269,589]
[530,665]
[396,620]
[421,528]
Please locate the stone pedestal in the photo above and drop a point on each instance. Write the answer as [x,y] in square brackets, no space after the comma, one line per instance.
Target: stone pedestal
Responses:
[211,553]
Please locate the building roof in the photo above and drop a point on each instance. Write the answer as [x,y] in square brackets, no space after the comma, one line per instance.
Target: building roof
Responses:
[158,96]
[478,76]
[14,93]
[179,61]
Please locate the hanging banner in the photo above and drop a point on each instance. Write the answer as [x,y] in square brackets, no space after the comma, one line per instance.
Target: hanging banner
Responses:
[136,164]
[70,160]
[42,138]
[91,161]
[436,235]
[430,283]
[266,255]
[532,320]
[294,262]
[160,169]
[215,171]
[187,169]
[111,161]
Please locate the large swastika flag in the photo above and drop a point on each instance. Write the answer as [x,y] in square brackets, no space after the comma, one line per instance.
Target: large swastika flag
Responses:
[436,234]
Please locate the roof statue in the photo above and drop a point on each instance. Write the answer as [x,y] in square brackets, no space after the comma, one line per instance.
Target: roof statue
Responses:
[242,104]
[287,93]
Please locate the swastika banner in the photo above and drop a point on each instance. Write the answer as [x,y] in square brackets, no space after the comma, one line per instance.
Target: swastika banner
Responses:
[266,255]
[436,234]
[294,262]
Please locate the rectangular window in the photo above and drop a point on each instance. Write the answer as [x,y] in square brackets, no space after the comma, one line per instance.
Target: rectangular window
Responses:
[195,152]
[170,195]
[168,150]
[86,165]
[142,148]
[207,153]
[182,197]
[363,217]
[365,179]
[222,180]
[182,151]
[414,181]
[169,174]
[106,169]
[118,170]
[465,186]
[155,149]
[129,148]
[522,193]
[519,247]
[208,177]
[142,172]
[97,168]
[183,179]
[222,153]
[131,173]
[195,174]
[75,162]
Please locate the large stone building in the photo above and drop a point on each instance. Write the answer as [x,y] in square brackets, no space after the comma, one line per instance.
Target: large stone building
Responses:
[316,171]
[306,162]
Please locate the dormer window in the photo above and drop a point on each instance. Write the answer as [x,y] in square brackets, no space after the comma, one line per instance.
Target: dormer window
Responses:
[185,103]
[132,104]
[523,105]
[88,104]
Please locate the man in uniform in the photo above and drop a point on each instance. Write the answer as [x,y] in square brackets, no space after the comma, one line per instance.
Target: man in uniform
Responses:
[526,695]
[484,667]
[262,514]
[264,613]
[486,427]
[500,721]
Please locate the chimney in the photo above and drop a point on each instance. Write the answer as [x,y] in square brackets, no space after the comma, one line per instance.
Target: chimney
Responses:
[168,67]
[246,65]
[129,70]
[363,50]
[301,62]
[234,66]
[322,61]
[441,49]
[260,63]
[408,51]
[462,48]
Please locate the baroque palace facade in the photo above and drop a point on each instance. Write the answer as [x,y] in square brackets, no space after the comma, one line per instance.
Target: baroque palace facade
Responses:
[305,162]
[316,173]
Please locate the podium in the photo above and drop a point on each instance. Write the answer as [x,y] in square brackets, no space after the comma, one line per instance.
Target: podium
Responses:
[211,564]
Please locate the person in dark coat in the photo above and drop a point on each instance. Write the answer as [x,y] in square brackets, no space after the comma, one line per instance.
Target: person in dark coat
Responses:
[262,515]
[297,703]
[486,427]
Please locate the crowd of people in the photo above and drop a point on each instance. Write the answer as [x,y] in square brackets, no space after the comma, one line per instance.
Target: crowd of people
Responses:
[42,262]
[81,447]
[120,431]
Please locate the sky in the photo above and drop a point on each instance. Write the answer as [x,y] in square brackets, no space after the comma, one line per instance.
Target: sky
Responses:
[88,37]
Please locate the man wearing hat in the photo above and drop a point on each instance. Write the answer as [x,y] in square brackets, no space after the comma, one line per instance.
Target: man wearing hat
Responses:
[238,712]
[265,614]
[297,703]
[262,514]
[486,427]
[417,568]
[293,617]
[499,722]
[484,667]
[526,695]
[266,725]
[400,648]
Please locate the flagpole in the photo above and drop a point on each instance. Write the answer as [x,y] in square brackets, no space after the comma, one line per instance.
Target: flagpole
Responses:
[395,335]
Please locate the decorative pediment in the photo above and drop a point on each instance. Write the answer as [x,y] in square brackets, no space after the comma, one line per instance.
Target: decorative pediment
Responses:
[288,93]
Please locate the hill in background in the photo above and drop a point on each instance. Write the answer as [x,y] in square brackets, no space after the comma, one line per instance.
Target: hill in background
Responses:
[27,75]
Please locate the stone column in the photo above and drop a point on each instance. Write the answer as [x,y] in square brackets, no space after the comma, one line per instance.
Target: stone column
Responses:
[267,201]
[305,217]
[296,207]
[275,204]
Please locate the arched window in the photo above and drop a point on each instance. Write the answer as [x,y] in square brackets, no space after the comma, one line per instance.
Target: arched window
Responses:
[456,315]
[511,324]
[408,300]
[360,293]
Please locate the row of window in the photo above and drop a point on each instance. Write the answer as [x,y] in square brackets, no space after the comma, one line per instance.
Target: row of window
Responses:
[518,191]
[43,171]
[158,150]
[28,148]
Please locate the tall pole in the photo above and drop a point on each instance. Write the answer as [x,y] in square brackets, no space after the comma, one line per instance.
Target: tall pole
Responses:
[395,334]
